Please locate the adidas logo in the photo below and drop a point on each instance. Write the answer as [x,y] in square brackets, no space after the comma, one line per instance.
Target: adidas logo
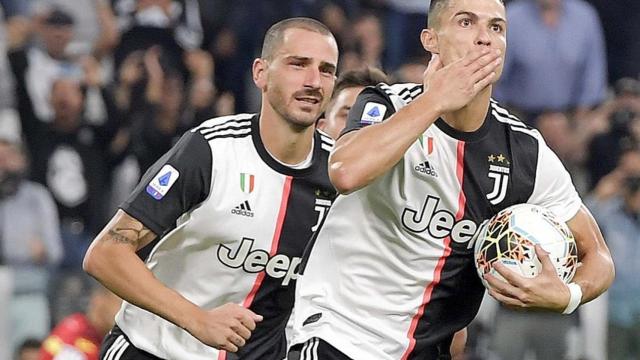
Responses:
[244,209]
[426,168]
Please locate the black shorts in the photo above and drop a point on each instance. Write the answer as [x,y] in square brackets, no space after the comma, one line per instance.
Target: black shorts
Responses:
[116,346]
[316,349]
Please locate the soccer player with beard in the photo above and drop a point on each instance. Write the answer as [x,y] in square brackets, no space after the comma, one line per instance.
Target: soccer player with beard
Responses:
[233,205]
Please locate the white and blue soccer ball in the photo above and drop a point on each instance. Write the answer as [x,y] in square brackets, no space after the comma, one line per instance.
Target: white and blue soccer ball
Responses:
[509,237]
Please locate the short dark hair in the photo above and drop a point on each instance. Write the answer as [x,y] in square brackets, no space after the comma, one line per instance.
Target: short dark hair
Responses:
[435,8]
[28,344]
[368,76]
[273,37]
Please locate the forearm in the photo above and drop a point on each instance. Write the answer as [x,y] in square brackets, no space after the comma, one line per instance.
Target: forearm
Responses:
[596,271]
[112,260]
[126,275]
[366,154]
[594,276]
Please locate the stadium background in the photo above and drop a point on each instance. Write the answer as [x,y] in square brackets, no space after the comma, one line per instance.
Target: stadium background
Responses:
[132,75]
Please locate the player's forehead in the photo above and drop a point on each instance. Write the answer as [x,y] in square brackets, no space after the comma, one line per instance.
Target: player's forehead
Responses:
[309,44]
[490,9]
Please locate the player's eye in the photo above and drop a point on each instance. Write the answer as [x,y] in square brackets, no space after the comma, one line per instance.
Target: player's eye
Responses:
[465,22]
[326,71]
[297,64]
[497,28]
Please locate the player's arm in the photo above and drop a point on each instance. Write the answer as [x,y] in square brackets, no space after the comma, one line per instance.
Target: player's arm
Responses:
[152,209]
[554,190]
[596,272]
[546,291]
[458,344]
[360,157]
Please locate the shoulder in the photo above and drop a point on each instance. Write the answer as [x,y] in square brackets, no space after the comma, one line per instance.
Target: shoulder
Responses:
[395,96]
[404,93]
[512,123]
[524,139]
[232,126]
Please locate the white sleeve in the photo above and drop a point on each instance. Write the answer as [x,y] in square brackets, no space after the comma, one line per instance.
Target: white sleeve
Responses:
[553,188]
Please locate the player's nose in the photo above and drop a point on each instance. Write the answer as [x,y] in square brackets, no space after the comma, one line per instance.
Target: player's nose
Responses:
[483,38]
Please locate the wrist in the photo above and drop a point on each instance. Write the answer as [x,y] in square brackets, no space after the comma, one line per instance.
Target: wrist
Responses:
[431,104]
[575,298]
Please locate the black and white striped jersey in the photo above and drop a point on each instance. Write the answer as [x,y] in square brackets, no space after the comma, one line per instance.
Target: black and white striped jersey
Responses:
[391,273]
[234,224]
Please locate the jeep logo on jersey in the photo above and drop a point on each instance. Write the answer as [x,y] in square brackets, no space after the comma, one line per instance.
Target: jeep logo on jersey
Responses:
[279,266]
[438,223]
[499,172]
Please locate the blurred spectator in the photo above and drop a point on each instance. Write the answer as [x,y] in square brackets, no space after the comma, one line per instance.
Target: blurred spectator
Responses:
[70,156]
[404,20]
[369,40]
[168,106]
[556,58]
[28,350]
[227,75]
[412,71]
[616,205]
[6,86]
[622,114]
[173,25]
[95,25]
[43,64]
[80,335]
[621,22]
[347,88]
[15,7]
[30,243]
[568,138]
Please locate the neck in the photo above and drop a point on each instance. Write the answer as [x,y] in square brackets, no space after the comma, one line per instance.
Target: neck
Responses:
[287,142]
[471,117]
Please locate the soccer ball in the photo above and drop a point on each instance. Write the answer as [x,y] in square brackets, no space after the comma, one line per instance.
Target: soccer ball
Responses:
[509,237]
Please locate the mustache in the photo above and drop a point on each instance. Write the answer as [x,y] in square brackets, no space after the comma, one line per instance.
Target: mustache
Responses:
[309,93]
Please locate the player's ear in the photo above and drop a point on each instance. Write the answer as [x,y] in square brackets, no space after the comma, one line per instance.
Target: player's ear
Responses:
[260,73]
[429,40]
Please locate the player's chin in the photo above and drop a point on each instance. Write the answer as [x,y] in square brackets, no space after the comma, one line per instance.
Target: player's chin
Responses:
[304,118]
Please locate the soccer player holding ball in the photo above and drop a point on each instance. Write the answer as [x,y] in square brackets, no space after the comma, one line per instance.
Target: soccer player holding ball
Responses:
[391,274]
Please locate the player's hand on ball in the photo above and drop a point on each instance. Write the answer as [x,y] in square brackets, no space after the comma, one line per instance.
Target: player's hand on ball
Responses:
[226,327]
[545,291]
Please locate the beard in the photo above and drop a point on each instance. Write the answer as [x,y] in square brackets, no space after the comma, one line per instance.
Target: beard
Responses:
[294,114]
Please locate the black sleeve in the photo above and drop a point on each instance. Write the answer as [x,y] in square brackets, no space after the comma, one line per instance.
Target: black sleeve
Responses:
[175,184]
[372,106]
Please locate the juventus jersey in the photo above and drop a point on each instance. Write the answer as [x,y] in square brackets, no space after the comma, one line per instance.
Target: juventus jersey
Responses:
[391,273]
[235,224]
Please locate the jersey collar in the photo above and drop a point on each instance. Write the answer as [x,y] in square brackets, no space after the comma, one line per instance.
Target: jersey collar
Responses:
[273,163]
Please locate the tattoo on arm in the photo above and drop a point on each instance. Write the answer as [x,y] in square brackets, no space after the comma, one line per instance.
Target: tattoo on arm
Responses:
[128,235]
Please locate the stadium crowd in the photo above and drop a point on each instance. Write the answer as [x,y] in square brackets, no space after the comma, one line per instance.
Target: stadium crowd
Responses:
[94,91]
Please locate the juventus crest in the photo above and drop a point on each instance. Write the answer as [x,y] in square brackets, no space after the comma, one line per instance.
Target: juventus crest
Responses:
[499,172]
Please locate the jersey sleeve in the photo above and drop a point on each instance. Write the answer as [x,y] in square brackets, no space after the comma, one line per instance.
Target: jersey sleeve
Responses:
[175,184]
[553,188]
[372,106]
